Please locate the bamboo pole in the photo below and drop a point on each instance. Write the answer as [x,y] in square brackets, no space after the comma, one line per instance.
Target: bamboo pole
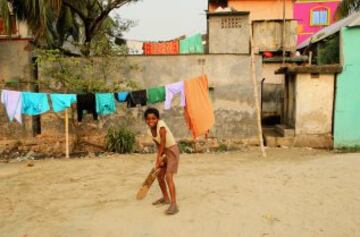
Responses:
[256,93]
[67,134]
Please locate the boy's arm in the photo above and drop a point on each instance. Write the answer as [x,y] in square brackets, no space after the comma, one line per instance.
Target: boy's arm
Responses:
[161,146]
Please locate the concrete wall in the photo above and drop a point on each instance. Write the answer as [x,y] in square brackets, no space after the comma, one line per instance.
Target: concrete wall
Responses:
[15,65]
[232,95]
[229,34]
[314,104]
[273,90]
[268,35]
[347,105]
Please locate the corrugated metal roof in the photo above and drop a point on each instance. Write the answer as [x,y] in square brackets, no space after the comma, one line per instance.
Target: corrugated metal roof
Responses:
[350,21]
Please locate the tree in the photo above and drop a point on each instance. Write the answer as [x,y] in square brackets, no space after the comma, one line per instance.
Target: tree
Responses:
[347,7]
[55,21]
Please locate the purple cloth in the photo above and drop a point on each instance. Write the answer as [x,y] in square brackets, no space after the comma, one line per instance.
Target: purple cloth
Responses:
[13,104]
[171,91]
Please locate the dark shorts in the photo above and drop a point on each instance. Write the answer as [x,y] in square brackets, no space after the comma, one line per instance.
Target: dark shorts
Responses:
[172,159]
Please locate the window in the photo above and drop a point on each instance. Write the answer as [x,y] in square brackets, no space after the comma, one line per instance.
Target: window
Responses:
[320,16]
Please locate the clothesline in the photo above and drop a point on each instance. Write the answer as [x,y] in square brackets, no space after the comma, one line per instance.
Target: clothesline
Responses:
[36,103]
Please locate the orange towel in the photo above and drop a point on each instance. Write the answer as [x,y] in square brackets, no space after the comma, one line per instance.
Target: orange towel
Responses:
[170,47]
[199,113]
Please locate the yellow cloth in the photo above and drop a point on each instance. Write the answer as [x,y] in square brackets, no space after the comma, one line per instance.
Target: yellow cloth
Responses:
[199,113]
[170,140]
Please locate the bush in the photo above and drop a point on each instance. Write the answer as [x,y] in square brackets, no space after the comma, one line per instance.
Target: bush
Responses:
[185,147]
[120,140]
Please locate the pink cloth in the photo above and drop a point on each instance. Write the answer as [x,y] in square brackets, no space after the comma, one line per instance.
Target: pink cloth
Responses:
[171,91]
[13,103]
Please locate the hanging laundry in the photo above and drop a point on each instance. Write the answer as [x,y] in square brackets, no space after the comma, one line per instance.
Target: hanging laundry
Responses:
[192,44]
[170,47]
[34,103]
[86,102]
[105,103]
[136,98]
[135,47]
[172,90]
[199,113]
[156,95]
[60,102]
[121,96]
[13,104]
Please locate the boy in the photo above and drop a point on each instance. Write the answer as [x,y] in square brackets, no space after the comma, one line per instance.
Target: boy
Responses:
[166,146]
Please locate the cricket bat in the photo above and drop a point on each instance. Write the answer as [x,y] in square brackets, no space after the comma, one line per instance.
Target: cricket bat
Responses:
[145,187]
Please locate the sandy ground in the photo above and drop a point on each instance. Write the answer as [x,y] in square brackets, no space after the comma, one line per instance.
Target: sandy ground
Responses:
[292,193]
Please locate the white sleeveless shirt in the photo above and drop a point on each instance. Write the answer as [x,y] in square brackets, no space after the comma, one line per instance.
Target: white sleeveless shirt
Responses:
[170,140]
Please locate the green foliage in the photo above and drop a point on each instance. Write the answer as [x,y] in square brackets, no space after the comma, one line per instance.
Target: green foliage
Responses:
[185,147]
[120,140]
[222,148]
[329,51]
[81,75]
[347,7]
[54,22]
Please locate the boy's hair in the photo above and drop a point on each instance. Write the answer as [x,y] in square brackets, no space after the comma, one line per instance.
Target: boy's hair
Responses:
[152,111]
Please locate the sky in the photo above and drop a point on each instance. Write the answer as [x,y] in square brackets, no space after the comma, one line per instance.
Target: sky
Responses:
[164,19]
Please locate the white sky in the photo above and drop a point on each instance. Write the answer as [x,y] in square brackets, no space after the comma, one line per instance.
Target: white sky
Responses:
[164,19]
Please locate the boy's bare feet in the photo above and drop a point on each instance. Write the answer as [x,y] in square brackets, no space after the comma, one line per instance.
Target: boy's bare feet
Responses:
[161,201]
[172,210]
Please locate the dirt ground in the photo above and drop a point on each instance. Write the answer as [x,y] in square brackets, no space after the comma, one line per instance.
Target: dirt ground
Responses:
[294,192]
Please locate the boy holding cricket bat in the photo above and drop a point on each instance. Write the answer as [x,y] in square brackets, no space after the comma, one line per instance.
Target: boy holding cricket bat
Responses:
[168,148]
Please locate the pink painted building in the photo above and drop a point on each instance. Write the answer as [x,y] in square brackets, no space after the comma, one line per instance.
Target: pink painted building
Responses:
[313,15]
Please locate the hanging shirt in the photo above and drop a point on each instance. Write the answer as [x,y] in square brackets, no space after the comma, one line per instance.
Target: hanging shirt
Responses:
[34,103]
[86,102]
[192,44]
[156,95]
[171,91]
[136,98]
[60,102]
[13,104]
[199,113]
[121,96]
[170,140]
[105,103]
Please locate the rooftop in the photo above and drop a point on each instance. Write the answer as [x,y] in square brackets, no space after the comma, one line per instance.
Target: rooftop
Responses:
[325,69]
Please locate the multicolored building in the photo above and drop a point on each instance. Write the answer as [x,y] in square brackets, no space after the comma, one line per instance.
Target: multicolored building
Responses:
[313,15]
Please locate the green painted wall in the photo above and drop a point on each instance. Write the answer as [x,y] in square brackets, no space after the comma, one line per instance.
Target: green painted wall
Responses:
[347,105]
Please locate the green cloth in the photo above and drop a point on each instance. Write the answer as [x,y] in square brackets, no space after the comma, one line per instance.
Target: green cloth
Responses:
[192,44]
[105,103]
[156,95]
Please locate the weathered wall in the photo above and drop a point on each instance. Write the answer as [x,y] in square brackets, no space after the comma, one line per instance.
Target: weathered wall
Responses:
[273,90]
[268,73]
[232,95]
[314,104]
[15,65]
[263,9]
[268,35]
[347,108]
[229,34]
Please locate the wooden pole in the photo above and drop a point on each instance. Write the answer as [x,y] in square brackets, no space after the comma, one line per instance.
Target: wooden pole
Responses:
[256,93]
[67,134]
[284,33]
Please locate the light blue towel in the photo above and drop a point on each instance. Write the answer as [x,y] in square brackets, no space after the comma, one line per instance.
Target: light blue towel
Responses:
[34,103]
[122,96]
[60,102]
[105,103]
